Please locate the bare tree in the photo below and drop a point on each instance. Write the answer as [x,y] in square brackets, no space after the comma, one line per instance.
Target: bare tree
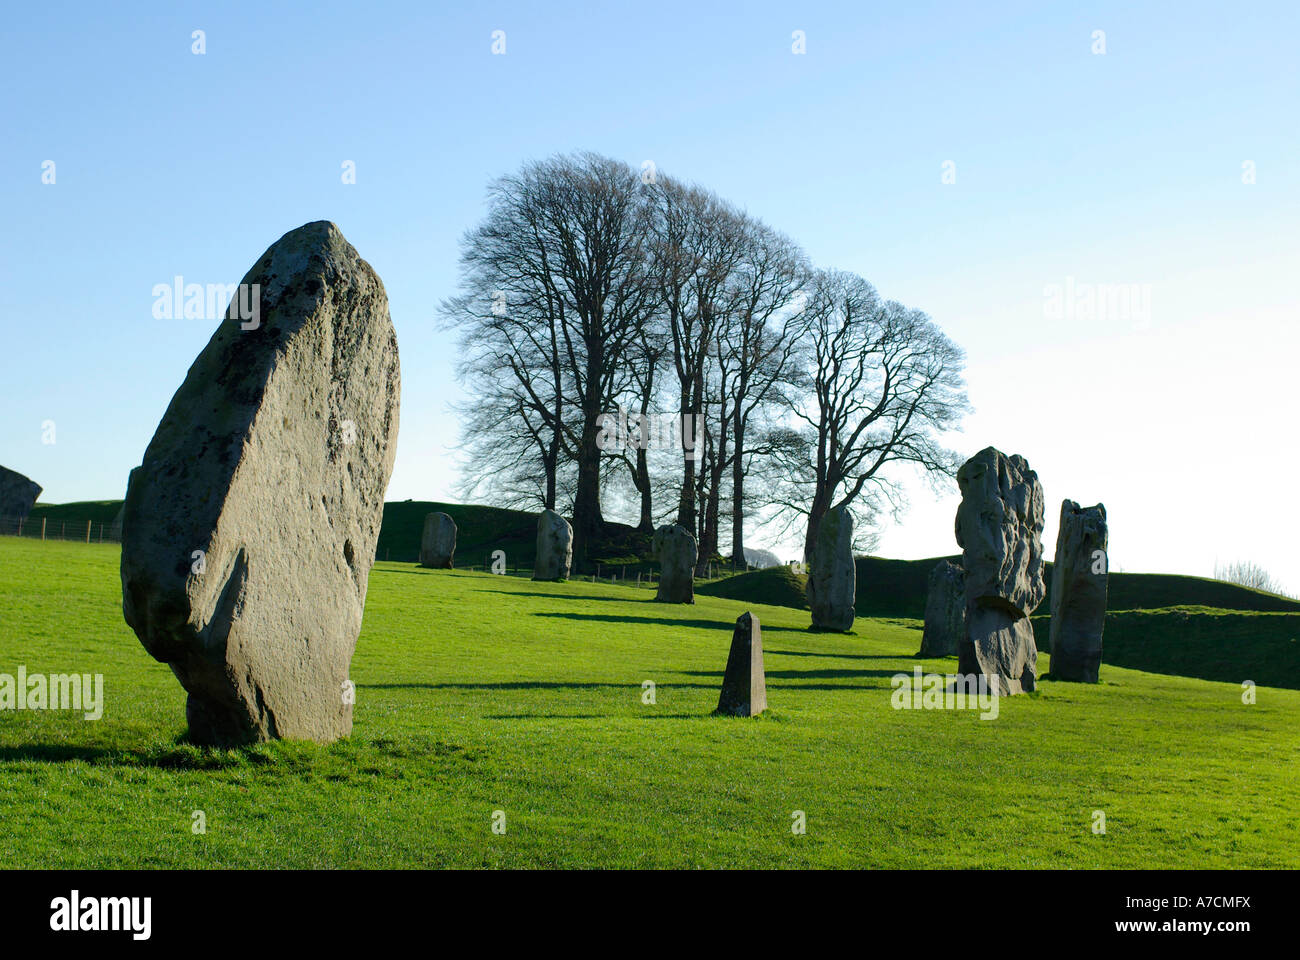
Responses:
[763,337]
[555,292]
[697,241]
[884,381]
[1247,574]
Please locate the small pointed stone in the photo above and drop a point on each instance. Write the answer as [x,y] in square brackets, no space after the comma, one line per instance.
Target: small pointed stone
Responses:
[744,686]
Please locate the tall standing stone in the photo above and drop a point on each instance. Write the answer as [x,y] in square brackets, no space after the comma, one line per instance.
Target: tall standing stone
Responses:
[438,542]
[744,685]
[17,494]
[251,523]
[554,547]
[999,528]
[832,576]
[1079,587]
[945,611]
[674,548]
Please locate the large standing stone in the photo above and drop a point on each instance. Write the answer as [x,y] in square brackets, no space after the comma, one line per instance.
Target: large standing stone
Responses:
[438,543]
[744,686]
[945,611]
[674,548]
[251,523]
[832,577]
[554,547]
[999,528]
[1079,585]
[17,494]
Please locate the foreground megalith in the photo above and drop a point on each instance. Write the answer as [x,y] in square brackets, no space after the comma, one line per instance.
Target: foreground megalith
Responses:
[438,542]
[554,547]
[1079,586]
[744,685]
[674,548]
[832,576]
[945,611]
[17,494]
[999,528]
[250,526]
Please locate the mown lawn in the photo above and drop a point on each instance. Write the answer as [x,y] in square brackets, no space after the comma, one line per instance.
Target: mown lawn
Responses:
[478,693]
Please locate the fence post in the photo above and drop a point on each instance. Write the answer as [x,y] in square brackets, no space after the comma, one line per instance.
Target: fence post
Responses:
[88,523]
[43,519]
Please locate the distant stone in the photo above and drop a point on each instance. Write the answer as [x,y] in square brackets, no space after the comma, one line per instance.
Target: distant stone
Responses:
[945,611]
[744,686]
[251,523]
[1079,586]
[554,547]
[999,528]
[438,544]
[115,530]
[832,575]
[674,548]
[17,494]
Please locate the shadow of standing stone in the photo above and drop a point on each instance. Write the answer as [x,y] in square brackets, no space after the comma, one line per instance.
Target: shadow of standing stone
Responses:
[744,686]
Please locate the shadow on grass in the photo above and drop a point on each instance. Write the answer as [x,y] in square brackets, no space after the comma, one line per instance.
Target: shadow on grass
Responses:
[835,656]
[803,674]
[519,685]
[659,621]
[560,596]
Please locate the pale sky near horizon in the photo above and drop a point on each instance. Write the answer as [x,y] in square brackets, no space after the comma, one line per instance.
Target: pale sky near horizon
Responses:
[1127,169]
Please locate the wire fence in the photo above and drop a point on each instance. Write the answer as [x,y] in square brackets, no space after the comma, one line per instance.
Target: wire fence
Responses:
[49,528]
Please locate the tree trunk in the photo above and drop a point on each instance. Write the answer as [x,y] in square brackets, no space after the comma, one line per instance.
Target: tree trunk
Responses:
[647,523]
[738,498]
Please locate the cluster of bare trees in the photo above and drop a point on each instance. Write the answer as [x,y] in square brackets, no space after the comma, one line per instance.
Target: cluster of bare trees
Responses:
[1248,574]
[592,290]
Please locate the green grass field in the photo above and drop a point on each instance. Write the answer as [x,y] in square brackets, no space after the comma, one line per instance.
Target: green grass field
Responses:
[478,693]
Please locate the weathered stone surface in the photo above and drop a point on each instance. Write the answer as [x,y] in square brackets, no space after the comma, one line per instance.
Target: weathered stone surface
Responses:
[674,548]
[999,528]
[438,542]
[1079,587]
[251,523]
[17,494]
[554,547]
[832,575]
[744,685]
[115,530]
[945,611]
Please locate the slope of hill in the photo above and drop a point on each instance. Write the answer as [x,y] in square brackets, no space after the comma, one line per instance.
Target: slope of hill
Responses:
[778,586]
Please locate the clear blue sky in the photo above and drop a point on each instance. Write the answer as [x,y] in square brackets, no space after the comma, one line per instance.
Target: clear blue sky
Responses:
[1120,168]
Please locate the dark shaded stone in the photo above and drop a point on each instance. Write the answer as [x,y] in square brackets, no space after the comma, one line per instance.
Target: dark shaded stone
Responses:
[744,686]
